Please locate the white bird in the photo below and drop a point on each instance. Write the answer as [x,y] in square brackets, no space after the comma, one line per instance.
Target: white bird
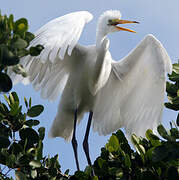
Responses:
[128,93]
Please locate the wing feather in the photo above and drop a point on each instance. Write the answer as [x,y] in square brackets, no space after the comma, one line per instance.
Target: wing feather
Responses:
[49,71]
[134,94]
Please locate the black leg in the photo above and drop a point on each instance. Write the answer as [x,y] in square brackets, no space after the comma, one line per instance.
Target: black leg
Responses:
[74,141]
[85,141]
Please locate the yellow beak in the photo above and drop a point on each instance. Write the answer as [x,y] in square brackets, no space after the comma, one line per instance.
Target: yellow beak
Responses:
[115,22]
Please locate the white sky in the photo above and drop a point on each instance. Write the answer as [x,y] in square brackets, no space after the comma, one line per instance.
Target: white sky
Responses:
[156,17]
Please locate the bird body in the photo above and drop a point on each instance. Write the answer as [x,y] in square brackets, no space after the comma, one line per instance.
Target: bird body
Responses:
[128,93]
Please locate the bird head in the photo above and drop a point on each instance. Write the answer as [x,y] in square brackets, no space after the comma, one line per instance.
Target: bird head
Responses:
[110,21]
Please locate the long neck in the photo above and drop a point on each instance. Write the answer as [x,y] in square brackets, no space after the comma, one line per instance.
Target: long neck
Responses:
[101,67]
[100,35]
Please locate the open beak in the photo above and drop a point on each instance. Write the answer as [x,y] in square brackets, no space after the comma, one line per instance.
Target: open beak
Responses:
[120,21]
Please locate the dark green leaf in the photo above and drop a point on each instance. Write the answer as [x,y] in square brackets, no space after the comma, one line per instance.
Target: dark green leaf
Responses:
[29,134]
[121,137]
[159,153]
[39,152]
[172,173]
[35,111]
[177,121]
[127,161]
[174,133]
[174,76]
[29,36]
[8,58]
[26,103]
[171,89]
[32,122]
[22,52]
[35,51]
[162,131]
[5,82]
[15,148]
[152,137]
[174,107]
[4,142]
[23,160]
[19,43]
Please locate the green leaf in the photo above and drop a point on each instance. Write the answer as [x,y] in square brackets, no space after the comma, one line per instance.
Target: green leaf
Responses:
[33,174]
[173,77]
[127,161]
[177,121]
[32,122]
[5,82]
[21,25]
[176,68]
[11,22]
[11,98]
[121,137]
[152,138]
[135,139]
[23,160]
[172,173]
[174,107]
[29,134]
[101,162]
[15,96]
[15,148]
[20,176]
[113,144]
[95,178]
[35,163]
[159,153]
[4,142]
[19,43]
[162,131]
[8,58]
[29,37]
[41,131]
[174,133]
[26,103]
[30,102]
[39,152]
[35,51]
[15,109]
[35,111]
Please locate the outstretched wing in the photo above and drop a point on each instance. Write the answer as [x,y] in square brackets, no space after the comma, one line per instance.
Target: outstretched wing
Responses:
[59,37]
[133,97]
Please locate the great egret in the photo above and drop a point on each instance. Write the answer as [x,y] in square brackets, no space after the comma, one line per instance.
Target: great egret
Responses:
[128,93]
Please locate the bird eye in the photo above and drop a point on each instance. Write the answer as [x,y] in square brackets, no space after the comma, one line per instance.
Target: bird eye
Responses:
[112,22]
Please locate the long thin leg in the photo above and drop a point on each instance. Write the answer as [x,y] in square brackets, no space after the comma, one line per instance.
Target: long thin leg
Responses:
[74,141]
[85,141]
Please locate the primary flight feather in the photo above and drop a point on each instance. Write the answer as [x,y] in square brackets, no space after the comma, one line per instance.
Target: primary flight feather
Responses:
[128,93]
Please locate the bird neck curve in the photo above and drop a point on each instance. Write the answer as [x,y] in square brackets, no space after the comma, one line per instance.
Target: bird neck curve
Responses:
[101,33]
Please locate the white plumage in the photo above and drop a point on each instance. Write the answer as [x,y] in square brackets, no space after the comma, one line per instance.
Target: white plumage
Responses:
[127,93]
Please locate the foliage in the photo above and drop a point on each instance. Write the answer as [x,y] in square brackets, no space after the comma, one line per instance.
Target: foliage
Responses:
[173,89]
[14,40]
[21,145]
